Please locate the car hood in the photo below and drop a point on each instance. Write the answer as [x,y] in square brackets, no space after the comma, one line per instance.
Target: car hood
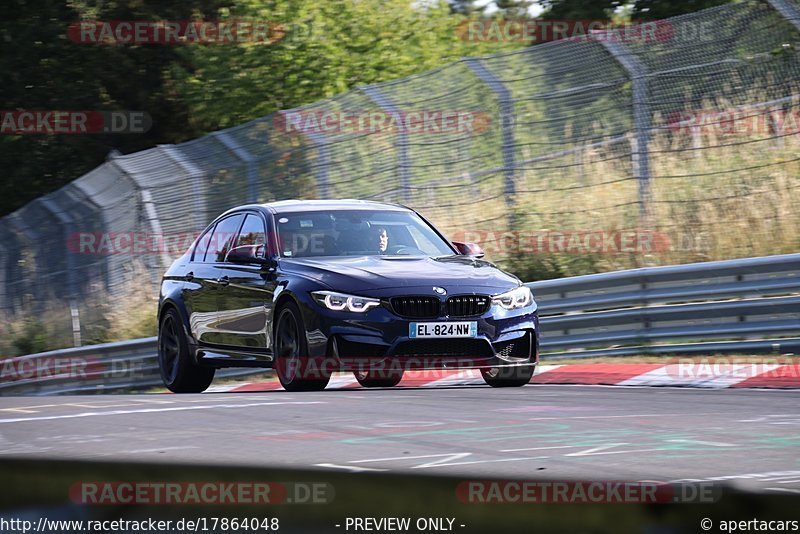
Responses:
[371,273]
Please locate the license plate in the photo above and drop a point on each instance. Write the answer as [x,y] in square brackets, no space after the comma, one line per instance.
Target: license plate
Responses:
[446,329]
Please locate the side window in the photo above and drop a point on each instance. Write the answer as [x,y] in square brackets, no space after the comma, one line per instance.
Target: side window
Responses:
[222,239]
[252,232]
[202,245]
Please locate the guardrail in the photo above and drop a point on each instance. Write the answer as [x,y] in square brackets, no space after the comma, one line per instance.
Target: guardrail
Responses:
[120,366]
[747,305]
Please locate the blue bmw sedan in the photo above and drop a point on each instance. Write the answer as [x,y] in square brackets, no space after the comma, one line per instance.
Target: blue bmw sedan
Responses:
[309,288]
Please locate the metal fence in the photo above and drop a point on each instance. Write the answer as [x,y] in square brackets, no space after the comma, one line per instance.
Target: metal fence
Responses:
[739,306]
[688,131]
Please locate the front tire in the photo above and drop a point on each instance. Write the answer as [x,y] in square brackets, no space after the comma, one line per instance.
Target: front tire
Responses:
[505,377]
[293,365]
[379,378]
[178,370]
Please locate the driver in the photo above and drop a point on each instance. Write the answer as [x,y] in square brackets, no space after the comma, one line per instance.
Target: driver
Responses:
[382,240]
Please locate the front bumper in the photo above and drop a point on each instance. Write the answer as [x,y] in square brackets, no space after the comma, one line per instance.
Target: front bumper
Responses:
[379,339]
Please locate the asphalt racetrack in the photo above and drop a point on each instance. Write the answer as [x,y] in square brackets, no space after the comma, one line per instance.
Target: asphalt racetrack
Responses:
[747,437]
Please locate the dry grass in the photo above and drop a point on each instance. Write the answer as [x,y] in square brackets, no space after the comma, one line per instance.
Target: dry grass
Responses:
[715,196]
[128,313]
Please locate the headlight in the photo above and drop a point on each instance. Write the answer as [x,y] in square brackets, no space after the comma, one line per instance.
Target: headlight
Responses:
[516,298]
[341,302]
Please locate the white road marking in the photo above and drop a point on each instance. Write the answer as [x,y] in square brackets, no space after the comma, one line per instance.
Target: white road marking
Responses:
[774,419]
[786,490]
[454,381]
[762,477]
[151,410]
[159,449]
[561,418]
[484,461]
[353,468]
[27,409]
[596,451]
[699,442]
[545,368]
[91,405]
[445,460]
[454,455]
[341,381]
[540,448]
[696,376]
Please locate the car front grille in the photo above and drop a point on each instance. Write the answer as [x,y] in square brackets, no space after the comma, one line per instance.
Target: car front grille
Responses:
[416,307]
[467,305]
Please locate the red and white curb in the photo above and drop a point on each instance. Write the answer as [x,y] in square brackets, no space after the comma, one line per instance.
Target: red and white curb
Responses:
[696,375]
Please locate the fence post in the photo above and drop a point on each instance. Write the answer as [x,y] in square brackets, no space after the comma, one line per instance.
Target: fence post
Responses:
[787,10]
[155,224]
[241,153]
[401,142]
[195,174]
[640,155]
[507,128]
[323,157]
[66,222]
[792,14]
[13,281]
[320,144]
[5,257]
[146,201]
[31,236]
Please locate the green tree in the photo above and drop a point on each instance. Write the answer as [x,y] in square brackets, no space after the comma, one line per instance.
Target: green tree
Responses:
[513,9]
[606,9]
[661,9]
[578,9]
[466,7]
[329,48]
[44,70]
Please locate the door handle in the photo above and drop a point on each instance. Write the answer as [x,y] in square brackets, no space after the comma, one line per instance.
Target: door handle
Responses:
[189,276]
[224,281]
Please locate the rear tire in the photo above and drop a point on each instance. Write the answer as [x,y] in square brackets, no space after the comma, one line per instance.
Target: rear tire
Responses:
[178,370]
[295,369]
[505,377]
[379,378]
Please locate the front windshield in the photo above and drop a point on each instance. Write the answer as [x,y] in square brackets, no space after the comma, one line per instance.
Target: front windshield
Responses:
[357,233]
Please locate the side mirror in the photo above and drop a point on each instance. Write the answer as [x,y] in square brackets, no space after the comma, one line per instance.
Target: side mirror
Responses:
[473,250]
[247,254]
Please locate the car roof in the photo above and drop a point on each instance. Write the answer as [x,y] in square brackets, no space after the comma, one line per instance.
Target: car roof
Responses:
[288,206]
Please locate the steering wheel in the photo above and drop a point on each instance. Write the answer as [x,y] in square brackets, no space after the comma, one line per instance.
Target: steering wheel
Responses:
[403,250]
